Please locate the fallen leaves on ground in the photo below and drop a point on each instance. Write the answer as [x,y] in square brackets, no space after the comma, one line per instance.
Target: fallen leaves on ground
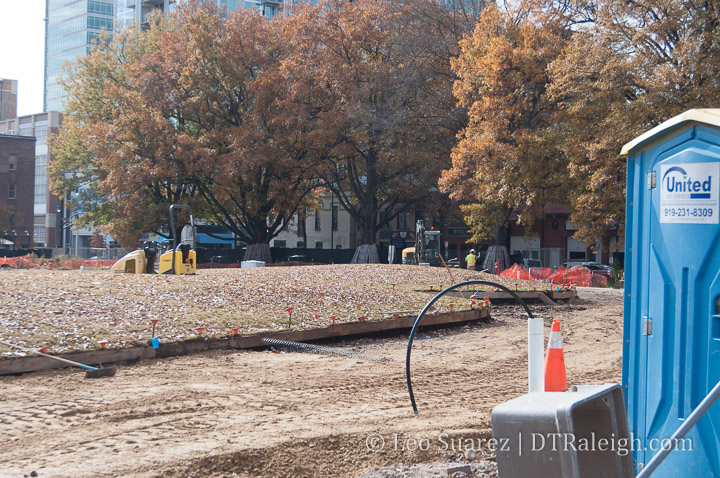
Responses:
[75,310]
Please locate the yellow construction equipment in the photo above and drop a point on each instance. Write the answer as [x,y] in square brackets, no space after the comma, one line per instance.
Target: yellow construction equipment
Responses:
[427,247]
[408,255]
[141,261]
[181,259]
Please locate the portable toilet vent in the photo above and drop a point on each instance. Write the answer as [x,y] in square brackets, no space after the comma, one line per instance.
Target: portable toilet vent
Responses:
[671,349]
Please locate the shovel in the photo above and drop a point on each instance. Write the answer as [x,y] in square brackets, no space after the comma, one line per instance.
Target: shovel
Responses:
[91,372]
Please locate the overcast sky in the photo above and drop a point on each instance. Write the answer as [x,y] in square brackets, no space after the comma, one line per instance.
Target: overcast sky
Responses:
[22,42]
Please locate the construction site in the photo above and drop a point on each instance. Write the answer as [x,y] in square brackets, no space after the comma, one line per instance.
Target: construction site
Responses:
[209,401]
[378,371]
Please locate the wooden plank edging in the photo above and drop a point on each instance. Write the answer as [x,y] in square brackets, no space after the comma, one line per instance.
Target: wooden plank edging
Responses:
[203,344]
[527,294]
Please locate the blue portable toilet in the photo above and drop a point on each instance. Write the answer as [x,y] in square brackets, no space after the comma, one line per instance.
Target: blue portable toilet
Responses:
[671,349]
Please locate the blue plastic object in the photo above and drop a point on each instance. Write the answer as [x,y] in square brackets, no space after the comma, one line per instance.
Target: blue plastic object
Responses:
[155,342]
[671,351]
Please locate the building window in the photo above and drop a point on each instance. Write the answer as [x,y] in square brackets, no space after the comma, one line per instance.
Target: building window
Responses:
[41,132]
[103,8]
[39,236]
[301,225]
[280,243]
[420,216]
[317,220]
[335,212]
[41,184]
[577,256]
[11,191]
[98,23]
[301,245]
[318,245]
[403,220]
[13,162]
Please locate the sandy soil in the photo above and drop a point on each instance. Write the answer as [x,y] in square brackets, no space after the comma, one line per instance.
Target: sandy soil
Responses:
[264,413]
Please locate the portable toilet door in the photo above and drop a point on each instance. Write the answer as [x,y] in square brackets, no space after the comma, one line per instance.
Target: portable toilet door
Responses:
[671,347]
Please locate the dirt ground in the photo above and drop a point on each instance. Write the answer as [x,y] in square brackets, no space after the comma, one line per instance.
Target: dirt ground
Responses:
[271,413]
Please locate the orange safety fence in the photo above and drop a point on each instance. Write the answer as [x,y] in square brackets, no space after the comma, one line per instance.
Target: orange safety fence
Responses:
[521,272]
[599,280]
[540,273]
[576,276]
[27,262]
[516,272]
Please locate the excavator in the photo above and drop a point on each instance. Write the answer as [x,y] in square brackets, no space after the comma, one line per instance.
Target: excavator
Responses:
[427,247]
[181,259]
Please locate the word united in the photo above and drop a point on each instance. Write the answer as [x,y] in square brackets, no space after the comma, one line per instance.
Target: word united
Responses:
[698,189]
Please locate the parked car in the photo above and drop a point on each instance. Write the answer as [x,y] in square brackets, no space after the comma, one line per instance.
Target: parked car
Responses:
[595,268]
[532,263]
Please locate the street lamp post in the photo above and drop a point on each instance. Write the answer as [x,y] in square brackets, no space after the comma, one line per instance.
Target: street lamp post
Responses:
[67,222]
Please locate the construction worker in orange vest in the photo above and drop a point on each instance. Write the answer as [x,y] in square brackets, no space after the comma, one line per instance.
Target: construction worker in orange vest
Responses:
[470,259]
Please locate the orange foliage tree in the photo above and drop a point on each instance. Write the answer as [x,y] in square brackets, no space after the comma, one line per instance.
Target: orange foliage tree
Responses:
[509,157]
[375,77]
[555,88]
[631,66]
[186,112]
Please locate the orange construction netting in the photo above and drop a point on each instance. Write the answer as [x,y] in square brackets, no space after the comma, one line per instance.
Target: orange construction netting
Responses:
[576,276]
[516,272]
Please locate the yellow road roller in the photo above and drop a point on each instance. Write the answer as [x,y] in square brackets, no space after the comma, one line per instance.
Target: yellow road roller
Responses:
[181,259]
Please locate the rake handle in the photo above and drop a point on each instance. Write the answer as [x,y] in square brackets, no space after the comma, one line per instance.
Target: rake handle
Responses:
[86,367]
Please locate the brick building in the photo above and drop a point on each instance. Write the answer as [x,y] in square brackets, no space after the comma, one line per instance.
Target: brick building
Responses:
[17,181]
[552,241]
[47,222]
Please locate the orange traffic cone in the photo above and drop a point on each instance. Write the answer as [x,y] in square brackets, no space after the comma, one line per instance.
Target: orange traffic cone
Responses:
[555,376]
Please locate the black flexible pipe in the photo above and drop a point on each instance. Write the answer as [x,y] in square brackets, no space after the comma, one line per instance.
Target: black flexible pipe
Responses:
[429,304]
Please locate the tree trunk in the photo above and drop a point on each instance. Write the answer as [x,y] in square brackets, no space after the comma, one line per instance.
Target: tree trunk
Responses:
[258,252]
[366,254]
[494,254]
[368,226]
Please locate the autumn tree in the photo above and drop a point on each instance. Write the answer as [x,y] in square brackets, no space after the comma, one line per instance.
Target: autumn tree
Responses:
[509,157]
[113,156]
[190,115]
[382,125]
[633,66]
[97,240]
[555,88]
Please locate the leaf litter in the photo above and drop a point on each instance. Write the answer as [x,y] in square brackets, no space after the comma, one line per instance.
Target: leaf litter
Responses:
[76,310]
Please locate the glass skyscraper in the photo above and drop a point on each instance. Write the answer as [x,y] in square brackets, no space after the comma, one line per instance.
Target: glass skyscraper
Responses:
[129,11]
[70,29]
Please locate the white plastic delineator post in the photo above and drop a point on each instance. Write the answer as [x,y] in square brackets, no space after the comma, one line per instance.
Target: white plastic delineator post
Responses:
[536,352]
